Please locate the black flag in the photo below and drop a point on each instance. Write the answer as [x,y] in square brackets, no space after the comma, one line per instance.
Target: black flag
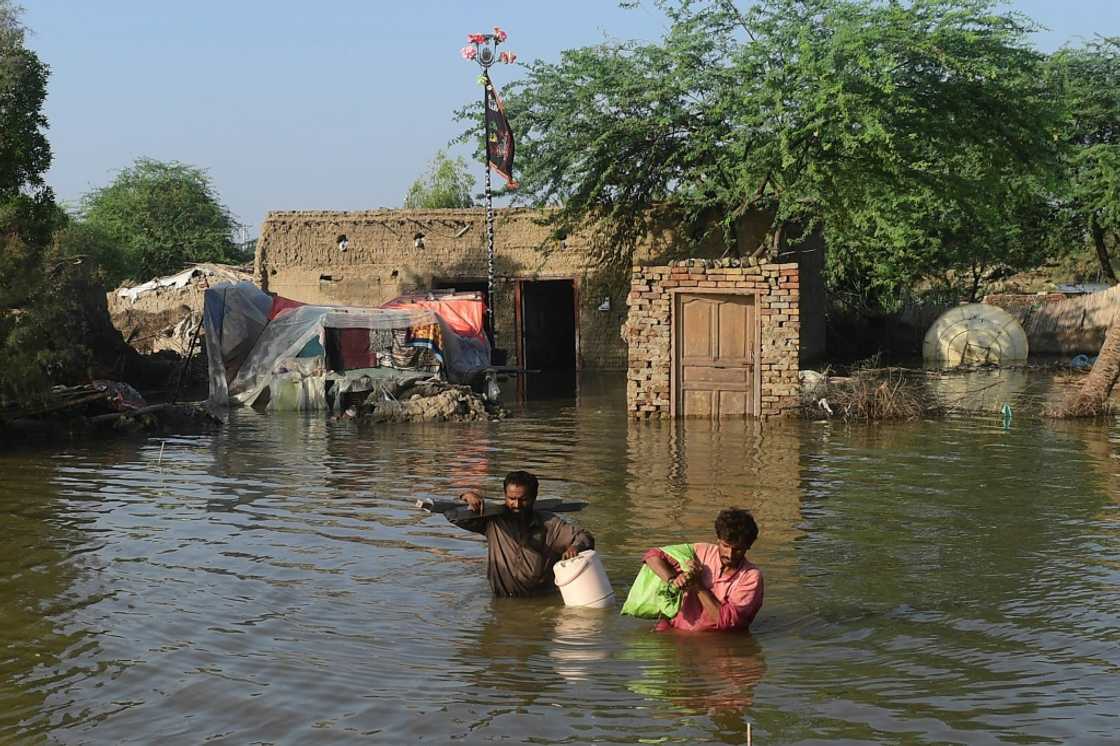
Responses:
[499,146]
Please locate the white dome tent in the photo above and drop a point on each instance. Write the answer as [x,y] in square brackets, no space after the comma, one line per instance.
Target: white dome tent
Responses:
[975,334]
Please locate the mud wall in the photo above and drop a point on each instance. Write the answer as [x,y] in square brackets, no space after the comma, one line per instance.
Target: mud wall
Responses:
[165,318]
[1057,324]
[388,252]
[367,258]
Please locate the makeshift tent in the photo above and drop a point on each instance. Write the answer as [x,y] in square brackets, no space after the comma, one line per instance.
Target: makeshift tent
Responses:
[305,357]
[233,317]
[463,312]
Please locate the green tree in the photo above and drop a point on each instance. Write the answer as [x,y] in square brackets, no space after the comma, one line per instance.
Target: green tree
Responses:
[162,216]
[54,326]
[910,133]
[27,208]
[446,184]
[1087,80]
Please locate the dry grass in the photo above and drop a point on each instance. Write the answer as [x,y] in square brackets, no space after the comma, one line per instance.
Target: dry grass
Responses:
[1077,405]
[881,394]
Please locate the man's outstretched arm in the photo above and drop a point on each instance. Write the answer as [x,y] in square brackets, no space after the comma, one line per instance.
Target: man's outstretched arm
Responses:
[475,524]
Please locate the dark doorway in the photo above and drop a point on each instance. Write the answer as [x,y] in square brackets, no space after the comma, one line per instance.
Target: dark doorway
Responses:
[548,324]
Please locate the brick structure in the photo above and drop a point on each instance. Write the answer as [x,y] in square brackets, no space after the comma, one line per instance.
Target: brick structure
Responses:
[366,258]
[649,329]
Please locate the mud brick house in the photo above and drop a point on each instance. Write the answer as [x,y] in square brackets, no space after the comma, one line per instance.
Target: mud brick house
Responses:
[553,308]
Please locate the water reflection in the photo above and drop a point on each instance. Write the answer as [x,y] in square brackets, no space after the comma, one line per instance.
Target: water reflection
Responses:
[927,582]
[985,389]
[711,674]
[44,575]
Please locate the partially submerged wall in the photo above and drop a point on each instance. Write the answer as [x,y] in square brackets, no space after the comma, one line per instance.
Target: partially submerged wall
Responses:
[649,328]
[367,258]
[389,252]
[1057,324]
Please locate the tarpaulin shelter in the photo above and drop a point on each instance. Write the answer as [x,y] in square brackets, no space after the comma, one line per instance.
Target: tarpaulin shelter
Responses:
[306,356]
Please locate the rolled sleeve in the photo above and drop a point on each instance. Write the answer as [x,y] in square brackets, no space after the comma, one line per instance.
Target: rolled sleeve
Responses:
[656,552]
[583,539]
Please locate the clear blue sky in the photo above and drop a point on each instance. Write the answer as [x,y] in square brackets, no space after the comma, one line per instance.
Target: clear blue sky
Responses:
[331,105]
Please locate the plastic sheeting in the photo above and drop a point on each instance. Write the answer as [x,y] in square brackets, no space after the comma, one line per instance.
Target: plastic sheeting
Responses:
[975,334]
[236,318]
[463,313]
[233,317]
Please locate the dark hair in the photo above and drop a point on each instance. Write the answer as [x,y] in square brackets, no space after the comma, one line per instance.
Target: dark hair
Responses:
[522,479]
[736,526]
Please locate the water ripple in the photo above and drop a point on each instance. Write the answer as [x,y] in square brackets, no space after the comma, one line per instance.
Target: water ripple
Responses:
[929,582]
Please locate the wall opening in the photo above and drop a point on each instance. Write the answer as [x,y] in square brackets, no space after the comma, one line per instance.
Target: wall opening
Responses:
[547,324]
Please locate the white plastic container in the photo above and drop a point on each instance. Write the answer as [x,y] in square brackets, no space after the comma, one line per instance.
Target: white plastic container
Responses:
[583,581]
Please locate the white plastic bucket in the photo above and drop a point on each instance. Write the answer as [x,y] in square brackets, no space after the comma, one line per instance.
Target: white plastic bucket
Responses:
[583,581]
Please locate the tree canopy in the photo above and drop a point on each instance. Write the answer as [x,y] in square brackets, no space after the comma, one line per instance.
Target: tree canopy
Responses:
[918,136]
[446,183]
[1087,80]
[27,208]
[162,216]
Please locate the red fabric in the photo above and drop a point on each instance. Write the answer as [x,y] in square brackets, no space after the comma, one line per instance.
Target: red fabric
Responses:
[353,349]
[279,303]
[463,315]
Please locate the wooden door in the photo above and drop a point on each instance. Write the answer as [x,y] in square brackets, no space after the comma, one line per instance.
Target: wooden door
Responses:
[716,345]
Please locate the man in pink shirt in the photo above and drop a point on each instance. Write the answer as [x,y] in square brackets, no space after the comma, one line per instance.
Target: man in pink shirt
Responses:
[722,590]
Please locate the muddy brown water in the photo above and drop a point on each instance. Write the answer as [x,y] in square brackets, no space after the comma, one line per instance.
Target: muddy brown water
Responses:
[934,582]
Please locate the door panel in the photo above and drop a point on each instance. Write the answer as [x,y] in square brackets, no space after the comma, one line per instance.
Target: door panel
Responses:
[697,403]
[714,373]
[698,321]
[733,404]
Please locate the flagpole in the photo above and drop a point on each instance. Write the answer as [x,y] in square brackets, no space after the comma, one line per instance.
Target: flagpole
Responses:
[489,216]
[482,49]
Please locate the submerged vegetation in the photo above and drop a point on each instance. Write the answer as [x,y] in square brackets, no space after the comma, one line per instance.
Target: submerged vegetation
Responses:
[872,395]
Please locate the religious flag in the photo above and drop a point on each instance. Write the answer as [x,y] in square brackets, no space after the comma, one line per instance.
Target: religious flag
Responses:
[499,146]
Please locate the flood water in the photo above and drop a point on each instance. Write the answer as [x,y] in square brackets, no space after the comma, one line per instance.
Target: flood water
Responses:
[935,582]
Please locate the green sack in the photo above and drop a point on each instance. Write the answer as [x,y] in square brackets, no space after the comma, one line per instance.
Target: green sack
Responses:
[651,597]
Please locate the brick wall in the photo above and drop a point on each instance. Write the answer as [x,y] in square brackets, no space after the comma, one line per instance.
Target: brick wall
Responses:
[649,329]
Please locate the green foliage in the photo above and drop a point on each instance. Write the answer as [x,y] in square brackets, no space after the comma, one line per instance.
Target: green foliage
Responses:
[161,216]
[1087,81]
[45,343]
[27,211]
[446,184]
[28,215]
[918,136]
[78,240]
